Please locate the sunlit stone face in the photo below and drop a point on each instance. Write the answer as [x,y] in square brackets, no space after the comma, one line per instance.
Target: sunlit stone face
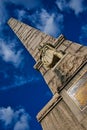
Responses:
[78,92]
[50,56]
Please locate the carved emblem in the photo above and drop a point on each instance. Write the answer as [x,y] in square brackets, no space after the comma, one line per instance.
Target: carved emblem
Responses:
[49,56]
[63,65]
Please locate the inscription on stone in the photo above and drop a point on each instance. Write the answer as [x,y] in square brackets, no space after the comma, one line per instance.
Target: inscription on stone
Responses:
[78,92]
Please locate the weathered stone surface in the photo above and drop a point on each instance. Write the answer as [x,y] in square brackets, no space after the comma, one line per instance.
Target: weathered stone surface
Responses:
[84,123]
[62,47]
[61,113]
[77,113]
[43,70]
[49,76]
[61,118]
[74,47]
[67,67]
[54,84]
[67,43]
[29,36]
[56,98]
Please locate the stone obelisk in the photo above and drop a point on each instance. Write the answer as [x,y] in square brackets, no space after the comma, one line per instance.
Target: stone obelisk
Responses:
[63,65]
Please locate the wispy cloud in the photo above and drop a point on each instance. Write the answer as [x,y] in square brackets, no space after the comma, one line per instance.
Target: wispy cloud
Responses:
[17,120]
[83,35]
[74,5]
[77,6]
[20,80]
[6,115]
[9,53]
[62,4]
[20,14]
[50,23]
[24,79]
[26,4]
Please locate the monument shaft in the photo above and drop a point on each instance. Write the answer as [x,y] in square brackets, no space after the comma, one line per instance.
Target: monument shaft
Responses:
[63,65]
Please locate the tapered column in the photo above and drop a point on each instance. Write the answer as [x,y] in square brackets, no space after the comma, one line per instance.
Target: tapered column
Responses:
[29,36]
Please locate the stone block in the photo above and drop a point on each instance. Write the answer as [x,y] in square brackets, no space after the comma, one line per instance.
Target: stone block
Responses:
[49,76]
[62,48]
[74,47]
[54,84]
[43,70]
[67,43]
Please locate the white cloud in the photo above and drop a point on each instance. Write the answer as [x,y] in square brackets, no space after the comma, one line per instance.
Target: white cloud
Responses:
[6,115]
[18,120]
[20,14]
[75,5]
[52,27]
[62,4]
[83,35]
[20,80]
[27,4]
[42,19]
[9,54]
[50,23]
[22,124]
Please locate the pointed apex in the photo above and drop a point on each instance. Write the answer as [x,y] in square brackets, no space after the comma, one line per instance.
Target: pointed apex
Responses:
[10,20]
[29,36]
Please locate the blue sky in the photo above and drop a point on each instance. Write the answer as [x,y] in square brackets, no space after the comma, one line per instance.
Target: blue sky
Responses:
[23,91]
